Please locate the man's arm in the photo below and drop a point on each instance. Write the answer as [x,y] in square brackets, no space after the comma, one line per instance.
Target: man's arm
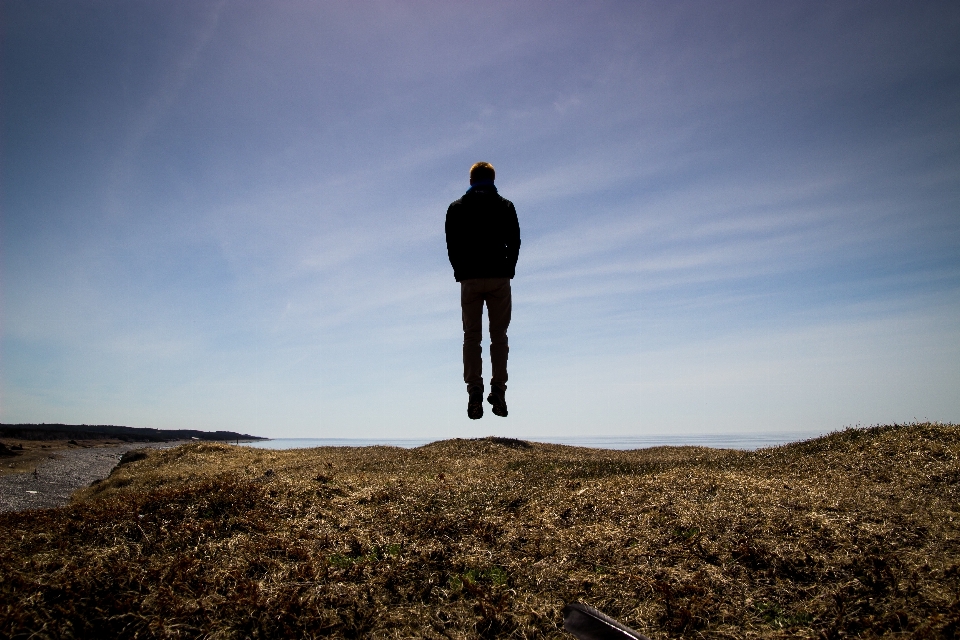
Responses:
[453,241]
[513,239]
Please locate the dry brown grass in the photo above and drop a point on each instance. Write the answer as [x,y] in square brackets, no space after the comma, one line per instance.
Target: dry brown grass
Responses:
[853,534]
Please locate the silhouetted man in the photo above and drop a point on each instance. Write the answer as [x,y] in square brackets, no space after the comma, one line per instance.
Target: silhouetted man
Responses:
[483,243]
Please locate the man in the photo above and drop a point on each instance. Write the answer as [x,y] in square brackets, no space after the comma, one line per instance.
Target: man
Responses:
[483,243]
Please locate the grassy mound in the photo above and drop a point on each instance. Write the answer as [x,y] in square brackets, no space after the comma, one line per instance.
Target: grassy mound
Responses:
[851,534]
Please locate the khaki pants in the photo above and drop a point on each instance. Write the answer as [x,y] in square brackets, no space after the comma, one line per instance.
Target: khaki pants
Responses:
[496,293]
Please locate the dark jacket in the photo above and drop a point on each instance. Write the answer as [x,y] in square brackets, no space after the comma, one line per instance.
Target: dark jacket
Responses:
[483,235]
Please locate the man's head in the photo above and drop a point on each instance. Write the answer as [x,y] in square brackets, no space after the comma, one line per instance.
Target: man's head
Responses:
[482,172]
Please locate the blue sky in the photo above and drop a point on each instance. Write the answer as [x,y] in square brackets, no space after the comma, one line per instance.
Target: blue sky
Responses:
[736,217]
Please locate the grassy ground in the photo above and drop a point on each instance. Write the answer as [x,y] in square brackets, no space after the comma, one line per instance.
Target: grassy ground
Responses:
[853,534]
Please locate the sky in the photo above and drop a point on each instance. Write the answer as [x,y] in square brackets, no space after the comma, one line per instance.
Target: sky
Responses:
[736,217]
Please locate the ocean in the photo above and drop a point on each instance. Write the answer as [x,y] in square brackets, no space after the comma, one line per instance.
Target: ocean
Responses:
[743,441]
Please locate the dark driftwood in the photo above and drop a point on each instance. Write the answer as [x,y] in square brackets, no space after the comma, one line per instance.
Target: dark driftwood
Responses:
[586,623]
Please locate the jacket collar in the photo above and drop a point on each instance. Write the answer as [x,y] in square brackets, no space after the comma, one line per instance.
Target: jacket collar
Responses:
[485,186]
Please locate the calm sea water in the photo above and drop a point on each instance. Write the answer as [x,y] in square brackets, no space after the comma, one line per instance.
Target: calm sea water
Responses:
[745,441]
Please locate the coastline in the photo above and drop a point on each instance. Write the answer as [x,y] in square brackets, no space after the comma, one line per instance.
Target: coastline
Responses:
[50,476]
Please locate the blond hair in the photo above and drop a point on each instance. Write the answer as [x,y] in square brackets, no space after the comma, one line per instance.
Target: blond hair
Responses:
[482,171]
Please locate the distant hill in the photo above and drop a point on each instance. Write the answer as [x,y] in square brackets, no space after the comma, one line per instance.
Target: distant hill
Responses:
[107,431]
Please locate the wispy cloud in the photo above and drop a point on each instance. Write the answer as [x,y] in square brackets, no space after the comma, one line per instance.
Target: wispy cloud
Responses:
[149,115]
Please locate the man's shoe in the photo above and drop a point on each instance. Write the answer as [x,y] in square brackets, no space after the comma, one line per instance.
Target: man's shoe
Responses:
[498,402]
[475,406]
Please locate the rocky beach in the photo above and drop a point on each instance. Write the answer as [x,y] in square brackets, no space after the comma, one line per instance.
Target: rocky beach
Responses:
[53,473]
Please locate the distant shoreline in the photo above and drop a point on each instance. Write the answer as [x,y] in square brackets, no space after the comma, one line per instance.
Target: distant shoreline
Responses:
[48,431]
